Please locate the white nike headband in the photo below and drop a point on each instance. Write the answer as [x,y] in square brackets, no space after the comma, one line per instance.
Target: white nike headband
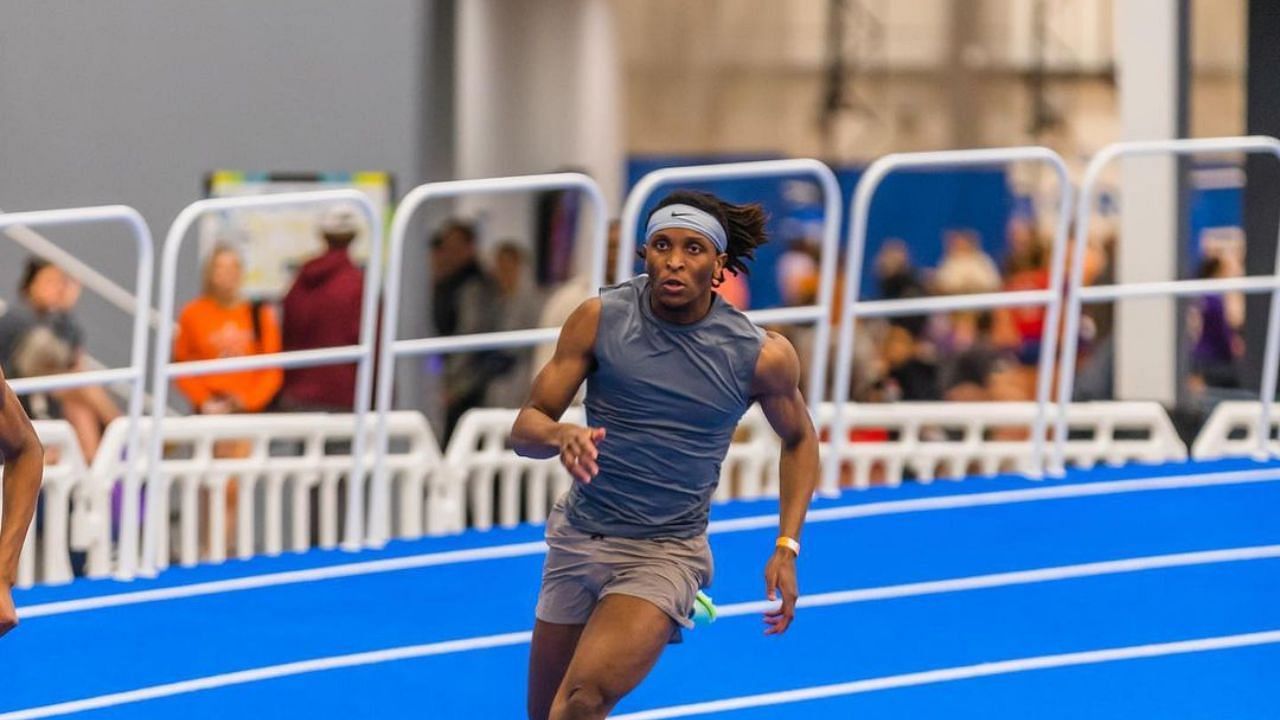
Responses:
[688,217]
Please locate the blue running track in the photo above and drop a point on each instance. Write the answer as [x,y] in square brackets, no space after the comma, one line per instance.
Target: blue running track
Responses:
[1136,592]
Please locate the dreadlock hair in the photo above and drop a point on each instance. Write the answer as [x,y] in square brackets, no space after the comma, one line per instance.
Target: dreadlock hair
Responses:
[743,224]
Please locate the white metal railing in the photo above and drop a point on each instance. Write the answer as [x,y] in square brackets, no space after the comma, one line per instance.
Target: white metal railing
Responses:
[287,457]
[1077,293]
[750,468]
[479,482]
[392,349]
[47,545]
[105,287]
[489,484]
[1232,430]
[487,479]
[817,315]
[134,373]
[362,354]
[952,440]
[1050,298]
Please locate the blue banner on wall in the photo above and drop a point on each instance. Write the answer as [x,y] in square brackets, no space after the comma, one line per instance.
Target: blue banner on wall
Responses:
[919,207]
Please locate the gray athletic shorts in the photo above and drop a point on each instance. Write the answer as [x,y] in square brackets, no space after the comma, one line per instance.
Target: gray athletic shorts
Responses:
[581,568]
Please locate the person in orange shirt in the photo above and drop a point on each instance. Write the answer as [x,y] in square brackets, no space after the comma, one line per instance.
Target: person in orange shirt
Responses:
[220,324]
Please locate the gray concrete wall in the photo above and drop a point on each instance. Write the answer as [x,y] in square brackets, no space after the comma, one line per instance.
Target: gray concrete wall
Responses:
[133,101]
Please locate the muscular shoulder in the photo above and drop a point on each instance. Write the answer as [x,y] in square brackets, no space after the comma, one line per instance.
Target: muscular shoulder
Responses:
[777,368]
[579,331]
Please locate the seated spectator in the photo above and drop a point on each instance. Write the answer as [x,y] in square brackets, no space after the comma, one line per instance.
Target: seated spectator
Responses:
[222,324]
[48,296]
[911,371]
[894,272]
[322,309]
[899,279]
[965,268]
[1026,268]
[1218,346]
[40,352]
[977,371]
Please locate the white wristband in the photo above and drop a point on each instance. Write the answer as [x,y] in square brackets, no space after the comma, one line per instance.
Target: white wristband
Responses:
[788,543]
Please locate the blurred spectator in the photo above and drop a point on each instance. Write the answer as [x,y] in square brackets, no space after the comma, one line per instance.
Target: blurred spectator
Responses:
[965,268]
[222,324]
[1095,377]
[1022,248]
[48,296]
[798,273]
[912,374]
[896,276]
[518,309]
[798,277]
[40,352]
[734,290]
[898,279]
[1218,345]
[322,309]
[1026,268]
[461,305]
[562,302]
[972,373]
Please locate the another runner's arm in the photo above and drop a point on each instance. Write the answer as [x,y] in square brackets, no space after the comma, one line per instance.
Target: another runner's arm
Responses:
[23,468]
[777,388]
[537,431]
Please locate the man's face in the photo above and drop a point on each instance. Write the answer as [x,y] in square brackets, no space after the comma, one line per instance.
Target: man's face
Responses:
[681,265]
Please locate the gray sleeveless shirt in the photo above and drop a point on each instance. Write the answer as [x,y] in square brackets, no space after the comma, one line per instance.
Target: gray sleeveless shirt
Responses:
[669,397]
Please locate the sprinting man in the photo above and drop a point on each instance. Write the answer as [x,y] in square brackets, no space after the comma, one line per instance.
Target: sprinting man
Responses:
[670,369]
[23,469]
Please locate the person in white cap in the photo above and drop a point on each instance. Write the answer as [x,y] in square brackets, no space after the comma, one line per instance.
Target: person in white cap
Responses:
[322,309]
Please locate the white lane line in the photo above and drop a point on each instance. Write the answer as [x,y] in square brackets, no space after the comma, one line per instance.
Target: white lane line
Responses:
[964,672]
[267,673]
[283,578]
[1020,577]
[976,582]
[1007,497]
[952,502]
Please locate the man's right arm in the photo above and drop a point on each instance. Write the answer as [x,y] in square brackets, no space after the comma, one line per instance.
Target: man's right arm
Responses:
[537,431]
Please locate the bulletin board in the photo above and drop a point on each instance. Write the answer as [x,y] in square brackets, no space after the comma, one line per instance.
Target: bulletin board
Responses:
[274,243]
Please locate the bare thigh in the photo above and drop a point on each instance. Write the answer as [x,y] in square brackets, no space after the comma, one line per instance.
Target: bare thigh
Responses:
[84,422]
[549,655]
[619,646]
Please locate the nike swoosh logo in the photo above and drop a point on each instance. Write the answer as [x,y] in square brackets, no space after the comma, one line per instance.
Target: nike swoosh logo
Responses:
[675,214]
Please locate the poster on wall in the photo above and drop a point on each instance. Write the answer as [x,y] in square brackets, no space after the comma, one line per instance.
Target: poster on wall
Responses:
[274,242]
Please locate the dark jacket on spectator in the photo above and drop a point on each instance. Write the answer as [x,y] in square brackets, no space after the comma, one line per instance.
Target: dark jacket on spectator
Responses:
[322,309]
[463,303]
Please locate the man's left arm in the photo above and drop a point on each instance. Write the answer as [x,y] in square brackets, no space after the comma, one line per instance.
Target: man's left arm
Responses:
[23,469]
[777,388]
